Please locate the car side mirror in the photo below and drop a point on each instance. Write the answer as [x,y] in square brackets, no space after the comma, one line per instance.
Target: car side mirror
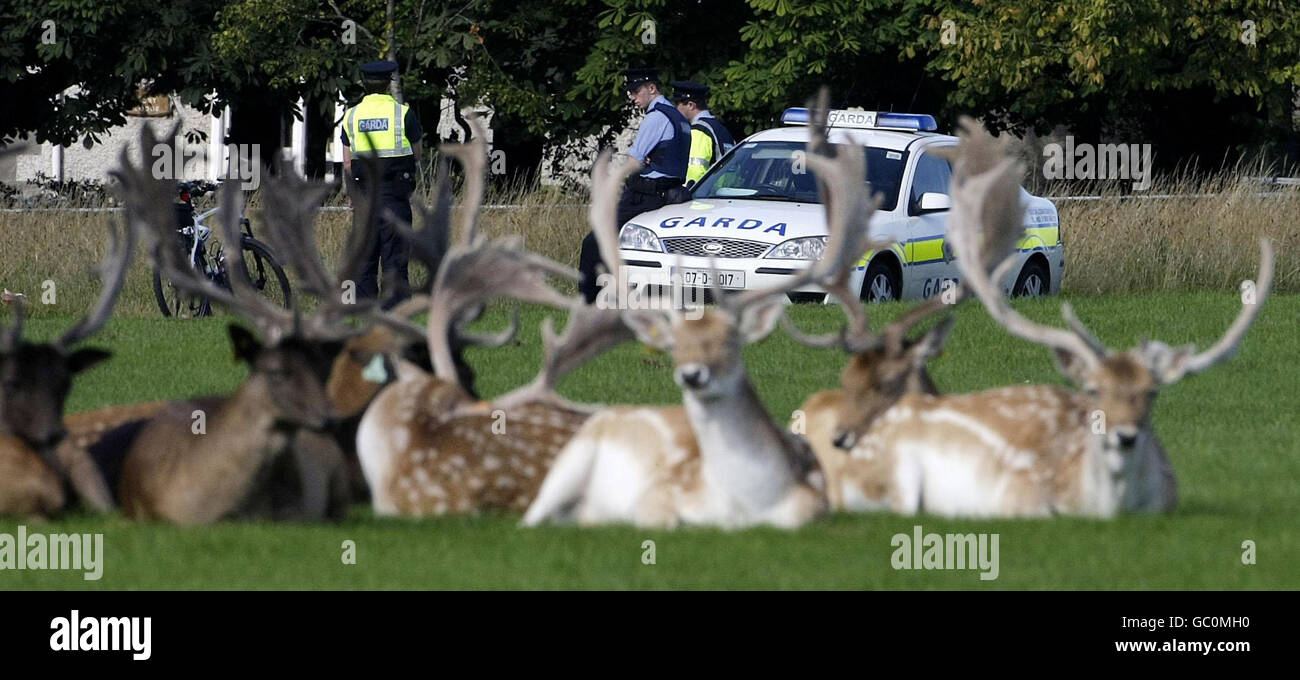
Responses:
[933,201]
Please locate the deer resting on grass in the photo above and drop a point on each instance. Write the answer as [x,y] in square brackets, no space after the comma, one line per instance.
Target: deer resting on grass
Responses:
[34,382]
[1034,451]
[260,452]
[427,446]
[718,459]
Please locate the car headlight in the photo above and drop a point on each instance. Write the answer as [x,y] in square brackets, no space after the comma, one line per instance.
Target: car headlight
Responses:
[637,237]
[808,248]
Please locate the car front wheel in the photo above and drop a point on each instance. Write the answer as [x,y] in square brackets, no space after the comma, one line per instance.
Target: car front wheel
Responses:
[880,283]
[1032,281]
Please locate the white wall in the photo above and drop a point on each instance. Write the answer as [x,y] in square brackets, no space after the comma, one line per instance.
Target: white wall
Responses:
[94,163]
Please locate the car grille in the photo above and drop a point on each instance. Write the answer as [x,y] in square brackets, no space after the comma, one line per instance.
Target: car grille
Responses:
[731,247]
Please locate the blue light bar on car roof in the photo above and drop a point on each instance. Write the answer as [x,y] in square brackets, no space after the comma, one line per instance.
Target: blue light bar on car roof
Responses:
[843,118]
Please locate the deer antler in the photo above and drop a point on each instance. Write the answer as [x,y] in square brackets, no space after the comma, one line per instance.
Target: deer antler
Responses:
[841,176]
[985,223]
[12,337]
[589,332]
[1173,365]
[290,211]
[289,207]
[591,329]
[112,275]
[429,244]
[147,202]
[473,158]
[445,333]
[475,271]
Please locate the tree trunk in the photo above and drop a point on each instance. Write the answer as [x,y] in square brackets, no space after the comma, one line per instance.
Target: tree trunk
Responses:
[390,37]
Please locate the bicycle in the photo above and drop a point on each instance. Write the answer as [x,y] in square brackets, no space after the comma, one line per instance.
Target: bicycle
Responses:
[208,256]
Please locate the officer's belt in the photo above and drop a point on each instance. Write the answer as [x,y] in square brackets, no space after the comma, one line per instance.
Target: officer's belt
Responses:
[652,185]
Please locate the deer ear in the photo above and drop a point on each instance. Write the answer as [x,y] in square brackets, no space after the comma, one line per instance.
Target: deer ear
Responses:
[83,359]
[931,344]
[1070,366]
[758,320]
[1167,364]
[245,343]
[651,328]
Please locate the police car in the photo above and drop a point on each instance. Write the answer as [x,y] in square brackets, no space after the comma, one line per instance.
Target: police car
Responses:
[760,220]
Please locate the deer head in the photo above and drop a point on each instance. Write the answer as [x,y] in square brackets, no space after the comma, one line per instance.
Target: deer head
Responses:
[287,376]
[34,383]
[706,350]
[1121,385]
[290,363]
[35,377]
[874,380]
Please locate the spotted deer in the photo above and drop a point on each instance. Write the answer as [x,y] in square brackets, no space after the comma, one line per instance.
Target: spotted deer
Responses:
[257,452]
[427,446]
[34,382]
[718,459]
[1035,450]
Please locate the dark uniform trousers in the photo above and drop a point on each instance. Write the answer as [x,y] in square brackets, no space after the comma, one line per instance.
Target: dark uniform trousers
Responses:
[640,194]
[397,183]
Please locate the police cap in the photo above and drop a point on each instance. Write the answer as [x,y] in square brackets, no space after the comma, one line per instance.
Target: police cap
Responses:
[378,70]
[636,77]
[687,91]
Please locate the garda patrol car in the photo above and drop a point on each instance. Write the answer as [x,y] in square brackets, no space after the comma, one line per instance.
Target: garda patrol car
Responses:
[761,221]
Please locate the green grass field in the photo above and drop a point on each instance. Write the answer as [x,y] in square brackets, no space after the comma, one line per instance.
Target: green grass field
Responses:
[1232,434]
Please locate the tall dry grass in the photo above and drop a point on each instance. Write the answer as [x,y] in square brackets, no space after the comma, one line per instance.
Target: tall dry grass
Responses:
[1118,244]
[1205,238]
[62,247]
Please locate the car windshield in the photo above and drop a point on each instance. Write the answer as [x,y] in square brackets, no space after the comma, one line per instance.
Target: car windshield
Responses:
[765,171]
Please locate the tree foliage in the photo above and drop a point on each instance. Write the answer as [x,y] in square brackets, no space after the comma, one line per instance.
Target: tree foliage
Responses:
[552,69]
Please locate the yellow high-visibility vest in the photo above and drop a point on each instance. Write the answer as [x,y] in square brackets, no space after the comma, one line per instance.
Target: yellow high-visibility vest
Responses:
[375,126]
[700,157]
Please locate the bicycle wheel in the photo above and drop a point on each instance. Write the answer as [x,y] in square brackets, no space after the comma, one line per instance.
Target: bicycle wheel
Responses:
[174,302]
[264,272]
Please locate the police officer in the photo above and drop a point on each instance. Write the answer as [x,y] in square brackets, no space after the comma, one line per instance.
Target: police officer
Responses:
[661,146]
[710,139]
[380,127]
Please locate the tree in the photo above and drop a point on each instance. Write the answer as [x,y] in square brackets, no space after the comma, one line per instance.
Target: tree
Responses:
[104,49]
[1144,69]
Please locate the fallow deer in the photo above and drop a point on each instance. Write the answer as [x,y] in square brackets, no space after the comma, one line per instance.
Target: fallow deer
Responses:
[202,460]
[718,459]
[426,445]
[1035,450]
[34,383]
[877,375]
[883,367]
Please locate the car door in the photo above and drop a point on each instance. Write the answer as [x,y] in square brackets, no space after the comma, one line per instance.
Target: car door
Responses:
[928,253]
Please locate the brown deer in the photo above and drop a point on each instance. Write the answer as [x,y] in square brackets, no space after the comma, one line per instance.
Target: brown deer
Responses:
[253,453]
[1035,450]
[719,459]
[429,447]
[34,383]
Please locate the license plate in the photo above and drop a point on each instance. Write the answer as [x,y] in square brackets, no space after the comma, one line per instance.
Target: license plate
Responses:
[727,278]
